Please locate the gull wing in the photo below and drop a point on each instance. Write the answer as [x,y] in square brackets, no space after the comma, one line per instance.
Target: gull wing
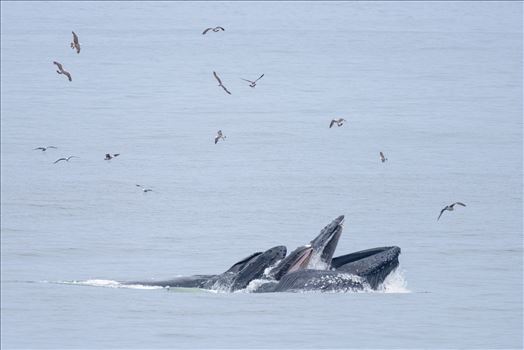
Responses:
[207,30]
[58,65]
[56,161]
[226,90]
[332,122]
[220,28]
[443,210]
[252,82]
[68,75]
[459,203]
[260,77]
[217,78]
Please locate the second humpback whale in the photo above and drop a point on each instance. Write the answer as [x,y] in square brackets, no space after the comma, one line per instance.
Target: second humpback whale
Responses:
[308,268]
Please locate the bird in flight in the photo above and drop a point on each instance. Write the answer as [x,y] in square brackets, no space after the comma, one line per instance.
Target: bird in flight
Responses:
[43,149]
[216,29]
[144,189]
[450,208]
[62,71]
[219,136]
[75,45]
[339,122]
[109,156]
[220,83]
[382,158]
[253,83]
[66,159]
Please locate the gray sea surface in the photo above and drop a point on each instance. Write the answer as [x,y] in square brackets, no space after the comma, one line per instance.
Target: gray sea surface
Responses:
[436,86]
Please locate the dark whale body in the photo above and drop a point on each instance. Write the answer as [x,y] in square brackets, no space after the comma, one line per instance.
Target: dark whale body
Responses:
[294,273]
[350,272]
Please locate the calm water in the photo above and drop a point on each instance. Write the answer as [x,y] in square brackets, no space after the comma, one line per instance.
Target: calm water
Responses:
[436,86]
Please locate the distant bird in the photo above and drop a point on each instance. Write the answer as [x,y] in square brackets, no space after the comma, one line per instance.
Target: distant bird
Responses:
[339,122]
[220,83]
[43,149]
[75,44]
[382,158]
[62,71]
[253,83]
[219,136]
[66,159]
[216,29]
[145,190]
[449,208]
[109,156]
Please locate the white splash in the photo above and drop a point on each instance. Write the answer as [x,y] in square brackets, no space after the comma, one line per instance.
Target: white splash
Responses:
[316,263]
[109,284]
[255,284]
[395,282]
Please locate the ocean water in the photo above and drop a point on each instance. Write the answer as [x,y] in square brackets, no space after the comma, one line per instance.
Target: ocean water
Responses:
[436,86]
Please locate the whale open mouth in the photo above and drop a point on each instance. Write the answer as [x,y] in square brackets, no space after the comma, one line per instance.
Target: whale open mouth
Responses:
[318,254]
[302,260]
[325,244]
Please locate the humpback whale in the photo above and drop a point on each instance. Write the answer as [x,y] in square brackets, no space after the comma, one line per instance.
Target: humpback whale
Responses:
[308,268]
[348,272]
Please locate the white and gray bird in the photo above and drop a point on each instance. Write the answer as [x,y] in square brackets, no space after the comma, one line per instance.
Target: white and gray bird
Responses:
[220,82]
[450,208]
[62,71]
[75,45]
[382,157]
[109,156]
[216,29]
[253,83]
[144,189]
[43,149]
[219,136]
[339,122]
[66,159]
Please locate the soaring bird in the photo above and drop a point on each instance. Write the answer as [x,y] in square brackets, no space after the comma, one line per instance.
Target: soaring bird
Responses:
[449,208]
[66,159]
[62,71]
[43,149]
[253,83]
[216,29]
[109,156]
[144,189]
[75,44]
[219,136]
[220,82]
[339,122]
[382,158]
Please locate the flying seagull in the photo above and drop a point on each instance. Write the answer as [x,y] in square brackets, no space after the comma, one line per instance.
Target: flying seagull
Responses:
[253,83]
[219,136]
[382,158]
[220,82]
[145,190]
[449,208]
[109,156]
[62,71]
[216,29]
[66,159]
[339,122]
[75,44]
[43,149]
